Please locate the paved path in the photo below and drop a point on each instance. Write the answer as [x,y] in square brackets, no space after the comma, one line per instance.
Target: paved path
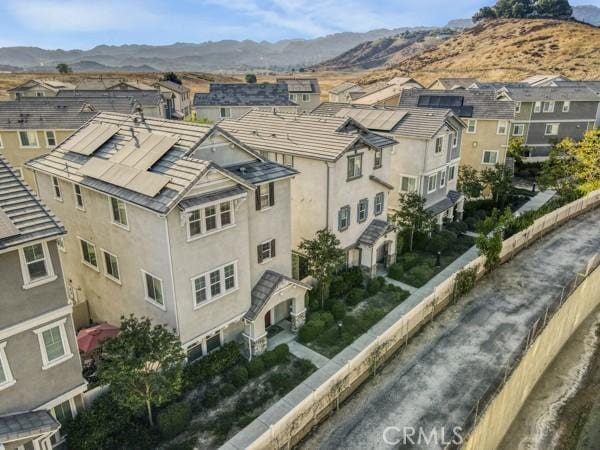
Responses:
[401,285]
[435,381]
[302,351]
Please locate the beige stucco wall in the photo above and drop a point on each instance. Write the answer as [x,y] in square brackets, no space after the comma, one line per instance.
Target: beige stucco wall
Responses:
[484,138]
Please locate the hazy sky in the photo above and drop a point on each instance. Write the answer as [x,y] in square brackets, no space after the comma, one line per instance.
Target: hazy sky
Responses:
[83,24]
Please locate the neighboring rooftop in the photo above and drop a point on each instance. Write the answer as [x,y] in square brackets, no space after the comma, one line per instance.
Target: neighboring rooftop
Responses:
[301,85]
[560,93]
[26,425]
[176,87]
[379,95]
[52,85]
[245,94]
[343,87]
[23,217]
[144,97]
[44,113]
[112,83]
[454,83]
[304,135]
[543,80]
[594,85]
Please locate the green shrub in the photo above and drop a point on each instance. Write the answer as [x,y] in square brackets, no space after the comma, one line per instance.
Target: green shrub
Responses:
[419,275]
[339,311]
[212,365]
[338,286]
[255,367]
[395,271]
[174,419]
[441,240]
[325,316]
[210,398]
[471,223]
[227,390]
[355,296]
[239,377]
[353,278]
[375,285]
[457,227]
[310,330]
[409,260]
[282,351]
[281,382]
[465,281]
[188,444]
[304,366]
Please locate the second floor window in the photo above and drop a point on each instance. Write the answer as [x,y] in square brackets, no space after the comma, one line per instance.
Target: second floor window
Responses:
[111,265]
[344,218]
[566,106]
[454,139]
[265,196]
[432,183]
[363,210]
[50,138]
[78,197]
[378,159]
[305,98]
[451,173]
[490,157]
[118,212]
[378,208]
[548,107]
[408,184]
[214,284]
[154,289]
[28,138]
[54,344]
[471,126]
[209,219]
[6,378]
[502,127]
[443,178]
[35,262]
[518,129]
[225,113]
[354,166]
[266,251]
[439,145]
[551,129]
[88,253]
[56,189]
[517,107]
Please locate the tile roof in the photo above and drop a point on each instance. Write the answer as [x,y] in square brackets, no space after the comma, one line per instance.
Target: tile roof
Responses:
[52,85]
[257,172]
[245,94]
[190,202]
[43,113]
[343,87]
[26,425]
[569,93]
[453,83]
[23,217]
[110,83]
[379,95]
[144,97]
[303,135]
[594,85]
[374,231]
[172,86]
[418,123]
[543,80]
[484,103]
[310,85]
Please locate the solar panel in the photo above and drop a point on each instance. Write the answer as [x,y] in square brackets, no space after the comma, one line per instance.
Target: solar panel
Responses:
[440,101]
[89,139]
[144,149]
[7,228]
[373,119]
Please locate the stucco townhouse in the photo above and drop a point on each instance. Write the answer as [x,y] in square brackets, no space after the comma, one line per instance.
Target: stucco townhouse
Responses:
[40,371]
[388,94]
[38,88]
[180,104]
[233,100]
[305,92]
[177,222]
[345,92]
[425,156]
[343,182]
[488,121]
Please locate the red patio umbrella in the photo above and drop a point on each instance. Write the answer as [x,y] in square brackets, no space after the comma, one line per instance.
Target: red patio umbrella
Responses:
[89,338]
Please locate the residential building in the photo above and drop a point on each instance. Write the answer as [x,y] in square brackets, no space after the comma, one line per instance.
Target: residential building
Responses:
[40,371]
[38,88]
[108,83]
[425,157]
[149,100]
[485,139]
[342,92]
[177,222]
[233,100]
[545,115]
[343,182]
[182,98]
[388,94]
[544,80]
[449,84]
[305,92]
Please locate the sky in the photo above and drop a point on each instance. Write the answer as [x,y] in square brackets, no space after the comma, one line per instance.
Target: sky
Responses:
[83,24]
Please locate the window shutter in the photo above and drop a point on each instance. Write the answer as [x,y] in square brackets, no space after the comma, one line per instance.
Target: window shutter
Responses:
[257,197]
[259,253]
[273,248]
[271,194]
[340,219]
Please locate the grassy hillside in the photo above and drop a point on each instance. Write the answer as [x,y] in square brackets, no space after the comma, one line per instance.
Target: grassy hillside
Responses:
[509,49]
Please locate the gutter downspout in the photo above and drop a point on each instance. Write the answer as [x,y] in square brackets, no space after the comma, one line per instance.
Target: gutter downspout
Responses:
[327,202]
[172,276]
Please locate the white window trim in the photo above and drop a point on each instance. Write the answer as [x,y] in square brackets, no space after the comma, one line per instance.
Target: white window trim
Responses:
[96,268]
[454,139]
[219,228]
[82,207]
[522,125]
[474,126]
[566,103]
[147,297]
[61,246]
[65,341]
[506,125]
[112,217]
[10,379]
[224,293]
[363,201]
[268,241]
[382,195]
[52,180]
[106,274]
[435,177]
[553,125]
[489,163]
[517,107]
[27,282]
[550,104]
[37,141]
[61,437]
[453,167]
[221,108]
[411,177]
[537,107]
[443,178]
[46,138]
[306,98]
[435,150]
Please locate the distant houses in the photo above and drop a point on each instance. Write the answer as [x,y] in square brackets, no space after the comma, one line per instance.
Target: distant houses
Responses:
[305,92]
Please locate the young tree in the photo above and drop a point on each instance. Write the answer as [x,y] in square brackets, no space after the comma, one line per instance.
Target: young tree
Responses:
[469,182]
[517,149]
[250,78]
[324,255]
[143,365]
[64,68]
[489,240]
[499,180]
[411,216]
[171,76]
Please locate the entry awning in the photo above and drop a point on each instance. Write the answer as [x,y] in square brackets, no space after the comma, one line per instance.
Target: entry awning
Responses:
[26,425]
[374,231]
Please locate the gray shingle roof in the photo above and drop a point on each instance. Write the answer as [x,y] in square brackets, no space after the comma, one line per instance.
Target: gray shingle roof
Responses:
[484,103]
[303,135]
[26,425]
[264,288]
[196,200]
[306,85]
[374,231]
[24,217]
[245,94]
[569,93]
[257,172]
[594,85]
[496,85]
[418,123]
[144,97]
[444,204]
[43,113]
[52,85]
[110,83]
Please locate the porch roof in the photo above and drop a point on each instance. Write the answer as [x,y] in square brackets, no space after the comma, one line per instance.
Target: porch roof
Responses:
[374,231]
[26,425]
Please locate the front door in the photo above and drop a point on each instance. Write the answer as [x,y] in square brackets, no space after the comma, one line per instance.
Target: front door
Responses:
[267,319]
[381,253]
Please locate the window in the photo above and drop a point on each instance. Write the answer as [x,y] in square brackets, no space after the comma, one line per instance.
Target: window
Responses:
[213,343]
[210,219]
[454,140]
[28,138]
[50,138]
[266,250]
[451,173]
[471,126]
[502,127]
[88,253]
[517,107]
[54,344]
[354,166]
[518,129]
[36,263]
[265,196]
[154,290]
[443,178]
[6,378]
[378,203]
[537,107]
[288,160]
[566,106]
[111,266]
[40,94]
[78,197]
[551,129]
[194,351]
[363,210]
[64,413]
[439,145]
[490,157]
[225,113]
[378,159]
[548,107]
[293,97]
[344,218]
[408,184]
[432,183]
[305,98]
[60,243]
[225,213]
[214,284]
[56,188]
[119,212]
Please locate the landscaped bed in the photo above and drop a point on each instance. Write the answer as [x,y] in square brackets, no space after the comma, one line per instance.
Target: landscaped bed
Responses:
[477,210]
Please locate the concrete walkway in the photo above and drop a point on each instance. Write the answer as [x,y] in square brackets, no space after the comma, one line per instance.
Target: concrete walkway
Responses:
[401,285]
[296,348]
[540,199]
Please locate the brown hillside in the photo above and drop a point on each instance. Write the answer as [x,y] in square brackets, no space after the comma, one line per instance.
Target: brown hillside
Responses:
[509,49]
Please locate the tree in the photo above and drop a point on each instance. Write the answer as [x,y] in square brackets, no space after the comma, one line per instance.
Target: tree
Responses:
[554,8]
[499,180]
[517,149]
[250,78]
[411,216]
[489,240]
[469,182]
[324,255]
[513,8]
[64,68]
[143,365]
[171,76]
[484,13]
